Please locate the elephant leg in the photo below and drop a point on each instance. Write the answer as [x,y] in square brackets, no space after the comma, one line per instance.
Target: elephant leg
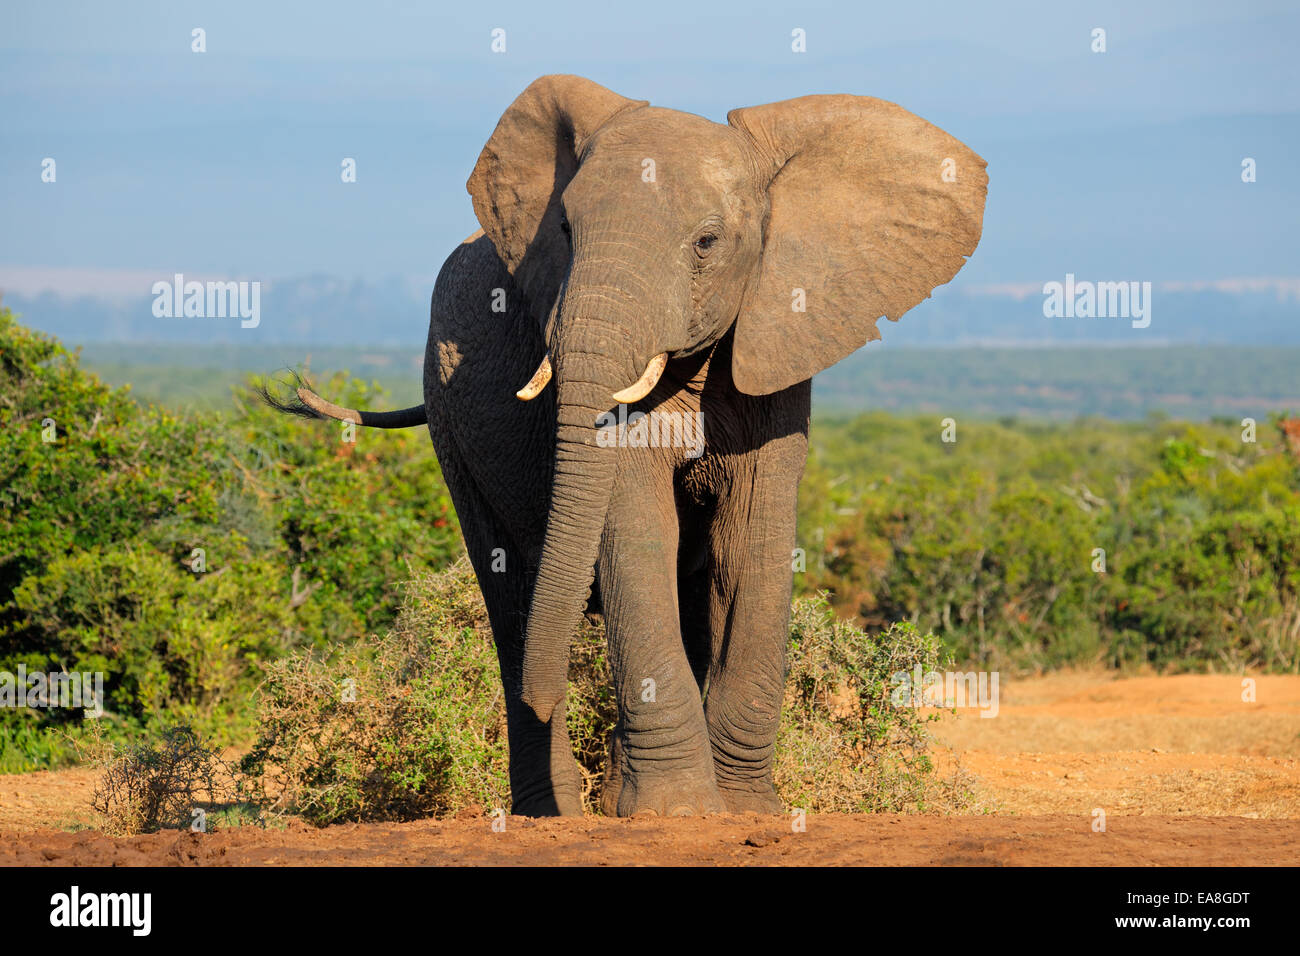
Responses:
[661,745]
[749,615]
[693,596]
[544,776]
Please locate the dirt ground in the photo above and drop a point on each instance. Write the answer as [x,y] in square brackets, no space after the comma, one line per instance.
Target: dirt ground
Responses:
[1185,772]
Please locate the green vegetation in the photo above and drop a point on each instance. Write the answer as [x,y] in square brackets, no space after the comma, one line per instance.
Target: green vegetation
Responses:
[178,553]
[990,540]
[413,724]
[397,727]
[187,376]
[843,746]
[1191,383]
[229,571]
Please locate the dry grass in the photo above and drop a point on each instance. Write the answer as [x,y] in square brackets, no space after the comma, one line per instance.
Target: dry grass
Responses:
[423,732]
[164,786]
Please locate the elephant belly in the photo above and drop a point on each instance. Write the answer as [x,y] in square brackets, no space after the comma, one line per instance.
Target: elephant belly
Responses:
[475,361]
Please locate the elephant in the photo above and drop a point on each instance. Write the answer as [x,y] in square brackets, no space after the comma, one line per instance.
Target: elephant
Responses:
[640,267]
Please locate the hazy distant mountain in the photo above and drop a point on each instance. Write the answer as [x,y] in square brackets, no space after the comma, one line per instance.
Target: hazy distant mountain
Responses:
[325,311]
[311,309]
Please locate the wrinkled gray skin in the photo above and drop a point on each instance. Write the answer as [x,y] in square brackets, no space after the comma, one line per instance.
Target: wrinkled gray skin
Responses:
[692,555]
[839,199]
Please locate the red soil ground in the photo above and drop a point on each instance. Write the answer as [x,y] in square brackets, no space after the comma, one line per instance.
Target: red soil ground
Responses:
[1186,772]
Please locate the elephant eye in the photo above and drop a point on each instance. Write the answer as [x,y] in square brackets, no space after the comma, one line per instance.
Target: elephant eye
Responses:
[564,225]
[705,243]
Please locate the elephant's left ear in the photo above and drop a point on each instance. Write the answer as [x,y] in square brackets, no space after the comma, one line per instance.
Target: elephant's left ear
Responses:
[871,208]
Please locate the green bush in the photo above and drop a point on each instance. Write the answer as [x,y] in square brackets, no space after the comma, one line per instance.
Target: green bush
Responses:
[174,646]
[1225,594]
[844,746]
[396,728]
[413,724]
[994,541]
[177,554]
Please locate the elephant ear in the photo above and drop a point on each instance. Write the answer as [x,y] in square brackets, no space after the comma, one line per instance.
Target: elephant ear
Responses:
[871,208]
[521,173]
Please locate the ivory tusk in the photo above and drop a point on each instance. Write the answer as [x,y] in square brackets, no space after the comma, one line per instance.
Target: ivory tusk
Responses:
[646,383]
[537,382]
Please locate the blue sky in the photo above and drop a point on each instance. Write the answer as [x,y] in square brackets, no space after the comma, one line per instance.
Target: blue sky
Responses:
[1121,165]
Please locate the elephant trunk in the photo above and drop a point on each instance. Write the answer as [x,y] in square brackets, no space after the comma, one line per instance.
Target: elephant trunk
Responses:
[593,359]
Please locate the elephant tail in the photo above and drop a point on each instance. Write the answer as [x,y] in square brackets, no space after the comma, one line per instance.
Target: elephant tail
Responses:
[310,405]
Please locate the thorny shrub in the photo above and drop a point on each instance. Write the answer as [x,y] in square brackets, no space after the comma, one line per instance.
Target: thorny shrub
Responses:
[413,724]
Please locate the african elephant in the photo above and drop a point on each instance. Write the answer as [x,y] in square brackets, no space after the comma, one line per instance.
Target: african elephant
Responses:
[642,260]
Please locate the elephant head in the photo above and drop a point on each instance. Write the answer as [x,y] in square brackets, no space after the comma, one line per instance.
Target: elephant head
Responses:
[639,234]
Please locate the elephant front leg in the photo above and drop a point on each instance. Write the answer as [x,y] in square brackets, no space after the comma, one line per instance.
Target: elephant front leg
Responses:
[661,759]
[749,617]
[544,776]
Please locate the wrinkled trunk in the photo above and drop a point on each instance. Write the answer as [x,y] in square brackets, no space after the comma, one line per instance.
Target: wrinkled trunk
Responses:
[595,355]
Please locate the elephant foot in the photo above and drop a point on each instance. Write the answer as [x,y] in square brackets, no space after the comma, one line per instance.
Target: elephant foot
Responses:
[548,805]
[761,800]
[547,798]
[669,795]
